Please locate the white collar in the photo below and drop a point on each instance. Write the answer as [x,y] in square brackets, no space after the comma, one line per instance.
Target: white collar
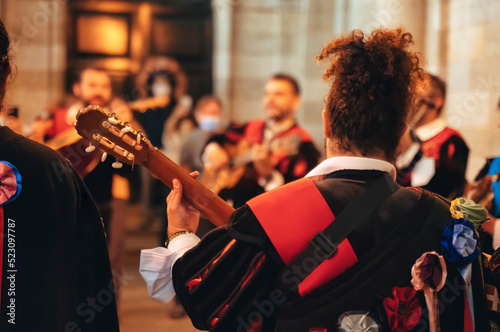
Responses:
[358,163]
[430,129]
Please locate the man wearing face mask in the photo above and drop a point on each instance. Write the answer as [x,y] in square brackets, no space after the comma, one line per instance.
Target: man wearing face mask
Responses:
[279,150]
[438,159]
[159,85]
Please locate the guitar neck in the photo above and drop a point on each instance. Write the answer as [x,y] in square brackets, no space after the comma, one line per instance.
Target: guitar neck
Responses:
[209,204]
[119,139]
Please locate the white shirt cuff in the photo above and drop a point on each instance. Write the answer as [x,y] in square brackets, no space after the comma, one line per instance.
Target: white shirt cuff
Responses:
[156,266]
[182,243]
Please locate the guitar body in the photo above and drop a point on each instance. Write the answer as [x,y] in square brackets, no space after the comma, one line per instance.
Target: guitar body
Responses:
[218,177]
[236,172]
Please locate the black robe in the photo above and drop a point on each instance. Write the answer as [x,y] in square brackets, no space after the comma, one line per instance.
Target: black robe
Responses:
[63,278]
[228,281]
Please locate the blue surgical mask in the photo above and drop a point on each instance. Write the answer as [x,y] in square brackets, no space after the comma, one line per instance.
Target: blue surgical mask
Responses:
[210,123]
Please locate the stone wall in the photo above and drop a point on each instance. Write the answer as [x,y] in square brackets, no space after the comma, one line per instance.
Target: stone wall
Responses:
[38,32]
[472,70]
[458,39]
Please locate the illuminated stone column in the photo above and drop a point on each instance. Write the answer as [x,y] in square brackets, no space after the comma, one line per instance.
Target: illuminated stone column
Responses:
[38,31]
[473,77]
[223,51]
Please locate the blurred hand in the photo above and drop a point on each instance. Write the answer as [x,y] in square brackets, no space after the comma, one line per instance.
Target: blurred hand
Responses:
[217,157]
[260,152]
[182,216]
[262,159]
[121,109]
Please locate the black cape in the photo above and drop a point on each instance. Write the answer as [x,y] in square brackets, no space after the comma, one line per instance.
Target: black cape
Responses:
[233,270]
[63,278]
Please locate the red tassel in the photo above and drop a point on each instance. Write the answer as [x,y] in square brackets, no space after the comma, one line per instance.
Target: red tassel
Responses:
[468,327]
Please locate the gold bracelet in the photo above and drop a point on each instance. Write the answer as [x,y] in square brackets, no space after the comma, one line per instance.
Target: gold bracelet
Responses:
[173,236]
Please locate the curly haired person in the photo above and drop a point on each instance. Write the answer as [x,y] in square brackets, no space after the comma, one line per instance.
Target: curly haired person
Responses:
[333,251]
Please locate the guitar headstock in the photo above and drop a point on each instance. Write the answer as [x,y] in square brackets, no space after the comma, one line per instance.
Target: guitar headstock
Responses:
[115,137]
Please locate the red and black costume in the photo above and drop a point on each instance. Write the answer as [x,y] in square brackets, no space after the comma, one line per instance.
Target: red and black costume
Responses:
[293,166]
[292,146]
[228,281]
[450,153]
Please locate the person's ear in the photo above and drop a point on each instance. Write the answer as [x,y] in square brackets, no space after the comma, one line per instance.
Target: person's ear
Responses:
[438,102]
[326,123]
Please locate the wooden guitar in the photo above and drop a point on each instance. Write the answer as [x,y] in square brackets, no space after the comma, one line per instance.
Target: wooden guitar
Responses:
[119,139]
[240,154]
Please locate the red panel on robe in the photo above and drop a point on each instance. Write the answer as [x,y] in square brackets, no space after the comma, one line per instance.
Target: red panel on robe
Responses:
[291,215]
[432,147]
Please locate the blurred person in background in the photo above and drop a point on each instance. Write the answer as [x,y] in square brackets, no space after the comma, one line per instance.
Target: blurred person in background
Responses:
[94,87]
[161,106]
[54,267]
[107,184]
[164,110]
[486,191]
[262,154]
[208,116]
[178,126]
[435,156]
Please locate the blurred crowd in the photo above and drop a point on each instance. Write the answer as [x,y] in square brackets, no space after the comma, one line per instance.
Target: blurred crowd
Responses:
[236,161]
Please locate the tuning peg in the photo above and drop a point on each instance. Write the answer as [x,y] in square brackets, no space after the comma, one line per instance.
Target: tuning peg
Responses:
[125,130]
[103,157]
[112,119]
[89,148]
[117,164]
[139,137]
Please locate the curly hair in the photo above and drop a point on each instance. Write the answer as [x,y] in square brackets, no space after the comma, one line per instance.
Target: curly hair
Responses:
[373,80]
